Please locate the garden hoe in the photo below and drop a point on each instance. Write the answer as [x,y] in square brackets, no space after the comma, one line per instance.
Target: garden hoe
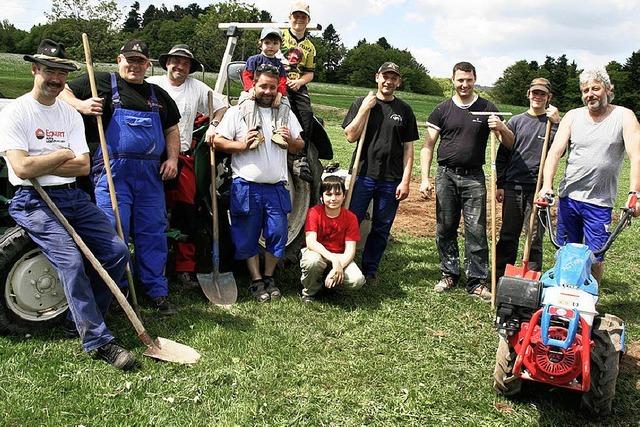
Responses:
[160,348]
[107,169]
[493,202]
[219,288]
[356,161]
[524,272]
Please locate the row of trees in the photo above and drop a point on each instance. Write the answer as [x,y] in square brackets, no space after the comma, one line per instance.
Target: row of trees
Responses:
[162,28]
[512,87]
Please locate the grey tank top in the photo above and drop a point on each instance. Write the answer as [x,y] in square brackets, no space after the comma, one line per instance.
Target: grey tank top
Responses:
[596,152]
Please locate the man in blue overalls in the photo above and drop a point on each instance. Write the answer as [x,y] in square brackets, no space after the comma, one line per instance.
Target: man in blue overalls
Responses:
[43,138]
[141,123]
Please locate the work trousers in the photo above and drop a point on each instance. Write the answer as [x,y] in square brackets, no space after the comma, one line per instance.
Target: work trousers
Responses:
[314,268]
[87,295]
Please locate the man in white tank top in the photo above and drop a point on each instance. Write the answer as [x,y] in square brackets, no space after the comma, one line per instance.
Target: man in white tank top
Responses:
[597,135]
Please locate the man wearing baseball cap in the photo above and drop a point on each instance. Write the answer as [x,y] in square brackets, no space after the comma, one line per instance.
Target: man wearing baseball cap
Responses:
[386,162]
[141,122]
[43,138]
[518,162]
[191,97]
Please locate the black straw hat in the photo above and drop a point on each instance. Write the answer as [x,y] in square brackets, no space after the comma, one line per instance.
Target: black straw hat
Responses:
[180,50]
[52,55]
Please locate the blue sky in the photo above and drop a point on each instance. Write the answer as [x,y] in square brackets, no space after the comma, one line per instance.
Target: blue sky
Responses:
[491,34]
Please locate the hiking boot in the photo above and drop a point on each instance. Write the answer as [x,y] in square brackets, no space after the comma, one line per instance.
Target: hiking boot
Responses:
[258,291]
[301,169]
[279,140]
[446,283]
[69,329]
[371,279]
[188,280]
[308,299]
[164,306]
[115,355]
[270,288]
[481,291]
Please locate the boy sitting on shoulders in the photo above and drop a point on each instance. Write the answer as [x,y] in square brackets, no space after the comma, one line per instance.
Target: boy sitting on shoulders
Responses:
[331,233]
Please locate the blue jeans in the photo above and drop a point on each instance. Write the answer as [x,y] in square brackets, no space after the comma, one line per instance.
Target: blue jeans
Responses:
[88,297]
[385,206]
[457,193]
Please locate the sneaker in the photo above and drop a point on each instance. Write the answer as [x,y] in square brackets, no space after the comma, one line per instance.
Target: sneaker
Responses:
[164,306]
[271,289]
[481,291]
[371,279]
[258,291]
[308,299]
[69,329]
[115,355]
[301,169]
[446,283]
[188,280]
[279,140]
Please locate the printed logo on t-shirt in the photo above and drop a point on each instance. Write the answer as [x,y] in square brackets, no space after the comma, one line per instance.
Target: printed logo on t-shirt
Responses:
[396,117]
[39,133]
[52,136]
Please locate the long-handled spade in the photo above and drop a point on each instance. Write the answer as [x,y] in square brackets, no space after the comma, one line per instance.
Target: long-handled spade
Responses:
[219,288]
[160,348]
[493,202]
[524,272]
[356,161]
[107,169]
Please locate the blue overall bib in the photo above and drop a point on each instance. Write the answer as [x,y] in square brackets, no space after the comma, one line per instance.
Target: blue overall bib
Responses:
[135,140]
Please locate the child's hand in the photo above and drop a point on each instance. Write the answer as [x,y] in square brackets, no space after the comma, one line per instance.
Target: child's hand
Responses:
[277,100]
[252,93]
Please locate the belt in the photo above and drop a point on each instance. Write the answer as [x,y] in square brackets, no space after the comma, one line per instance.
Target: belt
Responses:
[462,171]
[68,186]
[187,153]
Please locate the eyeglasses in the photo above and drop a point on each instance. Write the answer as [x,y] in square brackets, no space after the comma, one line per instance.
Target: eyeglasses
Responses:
[268,68]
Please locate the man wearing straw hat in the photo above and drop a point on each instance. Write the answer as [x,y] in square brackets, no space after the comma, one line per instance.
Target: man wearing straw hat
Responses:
[141,122]
[518,168]
[385,167]
[191,97]
[44,138]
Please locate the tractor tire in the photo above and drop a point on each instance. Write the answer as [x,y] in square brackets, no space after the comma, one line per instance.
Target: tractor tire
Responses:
[32,297]
[303,196]
[605,360]
[504,382]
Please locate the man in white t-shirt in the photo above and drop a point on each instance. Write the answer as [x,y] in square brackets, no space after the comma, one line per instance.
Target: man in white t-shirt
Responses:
[44,138]
[259,198]
[191,97]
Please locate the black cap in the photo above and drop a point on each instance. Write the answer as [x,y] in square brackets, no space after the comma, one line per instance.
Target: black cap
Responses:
[180,50]
[135,47]
[52,55]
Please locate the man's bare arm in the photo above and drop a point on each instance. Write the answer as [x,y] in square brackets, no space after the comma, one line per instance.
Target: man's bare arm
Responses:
[426,157]
[78,166]
[26,166]
[559,146]
[356,127]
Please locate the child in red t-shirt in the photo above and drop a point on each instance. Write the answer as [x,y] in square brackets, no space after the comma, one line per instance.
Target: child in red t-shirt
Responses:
[331,233]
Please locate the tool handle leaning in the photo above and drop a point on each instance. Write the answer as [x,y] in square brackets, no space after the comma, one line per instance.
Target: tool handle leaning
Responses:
[534,209]
[356,161]
[215,248]
[122,300]
[493,219]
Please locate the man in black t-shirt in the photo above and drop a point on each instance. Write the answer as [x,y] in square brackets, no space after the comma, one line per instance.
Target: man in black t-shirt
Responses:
[387,158]
[517,164]
[460,183]
[141,127]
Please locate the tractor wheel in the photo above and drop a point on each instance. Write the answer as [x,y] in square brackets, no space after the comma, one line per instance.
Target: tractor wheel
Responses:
[504,382]
[605,360]
[32,295]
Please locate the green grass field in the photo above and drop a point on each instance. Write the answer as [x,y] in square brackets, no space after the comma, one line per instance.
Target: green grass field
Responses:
[396,354]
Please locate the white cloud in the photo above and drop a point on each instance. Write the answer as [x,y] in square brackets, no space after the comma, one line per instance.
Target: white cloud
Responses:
[376,7]
[414,17]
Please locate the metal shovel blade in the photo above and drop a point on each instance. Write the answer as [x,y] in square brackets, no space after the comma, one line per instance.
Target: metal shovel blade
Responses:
[219,288]
[171,351]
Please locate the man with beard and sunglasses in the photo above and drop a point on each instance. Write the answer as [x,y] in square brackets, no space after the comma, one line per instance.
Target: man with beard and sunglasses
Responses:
[259,200]
[596,136]
[43,138]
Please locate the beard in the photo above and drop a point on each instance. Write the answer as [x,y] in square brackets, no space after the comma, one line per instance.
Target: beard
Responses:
[264,101]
